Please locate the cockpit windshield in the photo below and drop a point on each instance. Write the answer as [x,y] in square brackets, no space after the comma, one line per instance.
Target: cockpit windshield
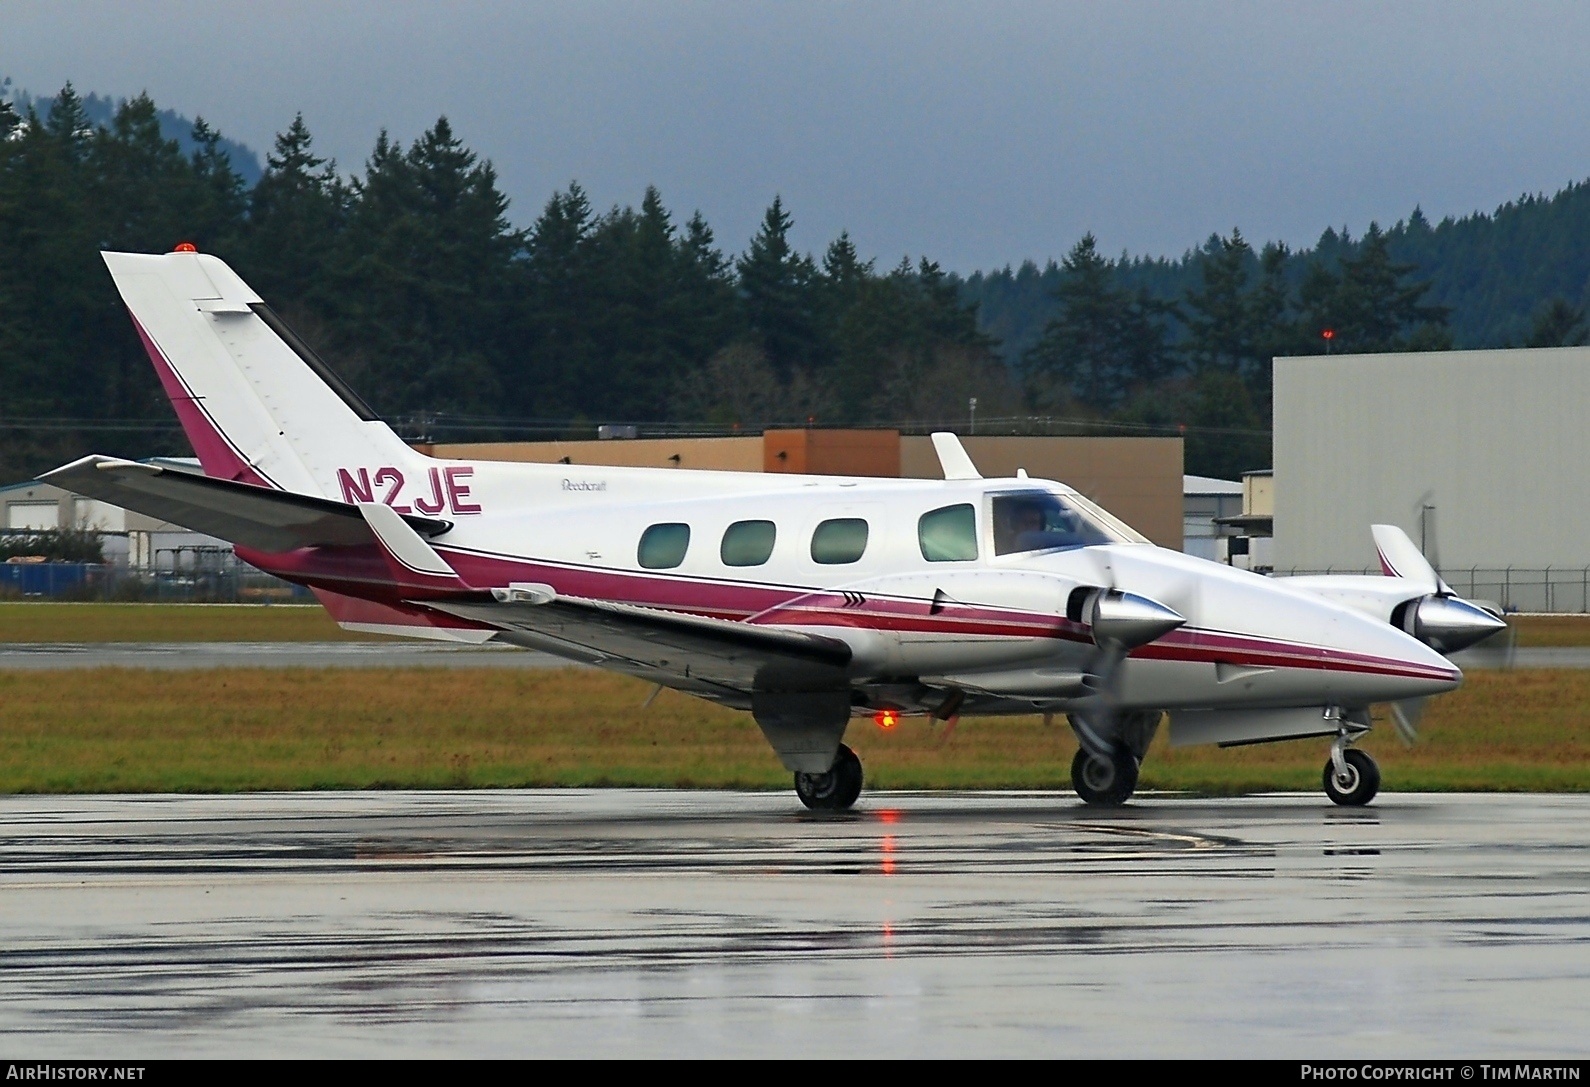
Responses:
[1043,520]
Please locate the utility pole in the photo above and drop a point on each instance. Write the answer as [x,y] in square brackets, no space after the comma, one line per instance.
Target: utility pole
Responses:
[971,408]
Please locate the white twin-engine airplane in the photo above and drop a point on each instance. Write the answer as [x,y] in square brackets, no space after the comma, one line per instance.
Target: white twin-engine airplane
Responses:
[807,600]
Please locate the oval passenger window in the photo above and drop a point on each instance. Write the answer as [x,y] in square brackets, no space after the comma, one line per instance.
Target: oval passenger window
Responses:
[662,547]
[840,540]
[747,543]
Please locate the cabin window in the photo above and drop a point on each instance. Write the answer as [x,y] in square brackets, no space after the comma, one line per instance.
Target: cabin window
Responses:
[662,547]
[948,534]
[747,543]
[1041,521]
[839,541]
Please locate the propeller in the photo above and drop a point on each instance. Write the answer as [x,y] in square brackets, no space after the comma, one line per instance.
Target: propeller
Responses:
[1120,622]
[1440,619]
[1405,717]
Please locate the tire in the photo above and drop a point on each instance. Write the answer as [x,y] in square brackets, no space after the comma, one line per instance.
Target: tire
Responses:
[1361,783]
[836,790]
[1104,783]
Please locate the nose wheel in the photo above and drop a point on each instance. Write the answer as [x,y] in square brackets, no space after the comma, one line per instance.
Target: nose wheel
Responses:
[1104,781]
[836,790]
[1352,779]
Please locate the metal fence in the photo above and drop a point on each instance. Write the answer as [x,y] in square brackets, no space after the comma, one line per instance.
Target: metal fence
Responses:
[1514,588]
[237,584]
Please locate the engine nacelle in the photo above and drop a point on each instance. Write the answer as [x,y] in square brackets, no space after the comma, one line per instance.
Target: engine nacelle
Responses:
[1121,618]
[1446,623]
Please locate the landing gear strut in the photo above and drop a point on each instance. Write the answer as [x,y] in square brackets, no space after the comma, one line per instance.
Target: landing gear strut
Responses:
[1104,781]
[1351,777]
[836,790]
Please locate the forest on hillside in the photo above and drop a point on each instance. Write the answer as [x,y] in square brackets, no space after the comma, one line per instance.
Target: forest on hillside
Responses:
[411,278]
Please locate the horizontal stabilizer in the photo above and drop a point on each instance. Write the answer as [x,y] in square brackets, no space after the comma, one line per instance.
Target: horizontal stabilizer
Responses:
[241,513]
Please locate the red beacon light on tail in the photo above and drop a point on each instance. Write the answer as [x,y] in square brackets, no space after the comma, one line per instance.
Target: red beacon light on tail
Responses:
[185,247]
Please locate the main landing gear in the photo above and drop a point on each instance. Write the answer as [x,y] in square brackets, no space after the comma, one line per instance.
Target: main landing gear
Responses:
[836,790]
[1351,776]
[1104,781]
[1104,770]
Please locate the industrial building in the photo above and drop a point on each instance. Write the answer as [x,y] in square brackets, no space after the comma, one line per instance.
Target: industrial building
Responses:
[1205,502]
[1479,455]
[129,539]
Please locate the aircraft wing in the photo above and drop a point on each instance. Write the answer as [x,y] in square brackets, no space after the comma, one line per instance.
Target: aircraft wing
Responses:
[240,512]
[716,658]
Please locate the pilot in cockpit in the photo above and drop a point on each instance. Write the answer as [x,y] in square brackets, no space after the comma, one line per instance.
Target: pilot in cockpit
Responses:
[1037,524]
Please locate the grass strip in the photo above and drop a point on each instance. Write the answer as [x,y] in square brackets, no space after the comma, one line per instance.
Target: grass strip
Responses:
[55,622]
[128,730]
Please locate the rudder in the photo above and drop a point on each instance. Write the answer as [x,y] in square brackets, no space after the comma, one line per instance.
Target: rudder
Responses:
[258,405]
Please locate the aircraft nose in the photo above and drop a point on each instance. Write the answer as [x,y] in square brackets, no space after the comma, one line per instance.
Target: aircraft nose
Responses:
[1376,662]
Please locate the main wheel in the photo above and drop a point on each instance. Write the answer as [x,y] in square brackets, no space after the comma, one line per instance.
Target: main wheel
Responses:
[1358,785]
[1104,783]
[836,790]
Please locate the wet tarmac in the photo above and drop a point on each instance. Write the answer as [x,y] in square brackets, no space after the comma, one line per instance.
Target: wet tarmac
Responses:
[632,923]
[45,656]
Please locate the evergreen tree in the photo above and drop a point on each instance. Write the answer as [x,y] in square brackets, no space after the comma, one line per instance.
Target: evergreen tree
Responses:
[1103,342]
[424,274]
[1221,331]
[1557,323]
[1367,304]
[558,310]
[296,213]
[776,288]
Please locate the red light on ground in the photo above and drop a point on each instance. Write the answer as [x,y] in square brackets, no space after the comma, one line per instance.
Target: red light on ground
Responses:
[1328,333]
[886,719]
[185,247]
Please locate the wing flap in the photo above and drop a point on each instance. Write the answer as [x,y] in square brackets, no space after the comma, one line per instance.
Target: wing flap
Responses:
[239,512]
[684,651]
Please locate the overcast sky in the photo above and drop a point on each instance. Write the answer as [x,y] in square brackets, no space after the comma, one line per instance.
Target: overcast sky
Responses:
[978,133]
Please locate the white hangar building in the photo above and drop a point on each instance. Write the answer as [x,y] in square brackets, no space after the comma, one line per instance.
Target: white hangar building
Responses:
[1485,453]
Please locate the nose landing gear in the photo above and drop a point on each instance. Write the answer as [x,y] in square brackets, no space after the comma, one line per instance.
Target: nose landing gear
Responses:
[835,790]
[1351,777]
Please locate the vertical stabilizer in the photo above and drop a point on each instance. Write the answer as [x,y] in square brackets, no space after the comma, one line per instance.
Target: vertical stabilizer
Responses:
[257,403]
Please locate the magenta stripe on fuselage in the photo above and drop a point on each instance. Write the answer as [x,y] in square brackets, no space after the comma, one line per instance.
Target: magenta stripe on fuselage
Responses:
[352,570]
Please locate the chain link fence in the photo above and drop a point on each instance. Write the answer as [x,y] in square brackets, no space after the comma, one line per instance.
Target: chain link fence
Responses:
[1565,590]
[1514,588]
[236,584]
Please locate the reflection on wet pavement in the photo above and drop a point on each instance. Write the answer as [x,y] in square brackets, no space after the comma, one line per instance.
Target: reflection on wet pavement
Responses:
[651,922]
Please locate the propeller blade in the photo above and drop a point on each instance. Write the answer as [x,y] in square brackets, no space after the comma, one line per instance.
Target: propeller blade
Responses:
[1405,715]
[1094,720]
[1429,541]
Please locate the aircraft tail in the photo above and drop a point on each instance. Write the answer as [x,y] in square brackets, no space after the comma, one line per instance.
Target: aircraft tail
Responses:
[258,405]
